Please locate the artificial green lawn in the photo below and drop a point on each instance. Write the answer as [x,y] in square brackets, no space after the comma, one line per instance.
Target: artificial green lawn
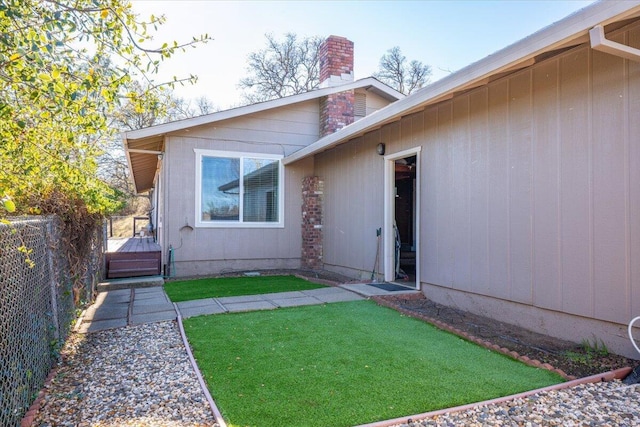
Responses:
[344,364]
[187,290]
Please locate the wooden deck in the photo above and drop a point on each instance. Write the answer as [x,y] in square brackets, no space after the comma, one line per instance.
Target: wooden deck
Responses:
[133,257]
[133,244]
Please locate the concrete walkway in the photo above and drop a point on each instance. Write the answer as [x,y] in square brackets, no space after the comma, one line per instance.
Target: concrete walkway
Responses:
[121,303]
[265,301]
[121,307]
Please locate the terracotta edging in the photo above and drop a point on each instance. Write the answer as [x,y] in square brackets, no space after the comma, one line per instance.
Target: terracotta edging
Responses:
[30,416]
[32,412]
[469,337]
[214,408]
[607,376]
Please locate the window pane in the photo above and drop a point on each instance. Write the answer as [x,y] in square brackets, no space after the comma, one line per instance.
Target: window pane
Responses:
[260,180]
[220,189]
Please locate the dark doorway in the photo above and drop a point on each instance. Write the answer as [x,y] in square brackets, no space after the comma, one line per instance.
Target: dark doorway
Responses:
[405,219]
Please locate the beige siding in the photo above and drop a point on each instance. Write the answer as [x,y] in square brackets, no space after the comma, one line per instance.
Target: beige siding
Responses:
[530,188]
[288,129]
[349,227]
[575,183]
[374,102]
[205,251]
[546,188]
[632,117]
[478,200]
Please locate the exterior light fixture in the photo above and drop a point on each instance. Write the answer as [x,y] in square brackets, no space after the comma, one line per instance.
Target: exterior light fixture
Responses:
[380,149]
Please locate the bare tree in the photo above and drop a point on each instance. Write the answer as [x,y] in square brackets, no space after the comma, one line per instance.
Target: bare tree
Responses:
[180,108]
[283,68]
[161,105]
[404,77]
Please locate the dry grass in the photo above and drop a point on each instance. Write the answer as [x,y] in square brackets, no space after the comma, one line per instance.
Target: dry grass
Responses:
[122,225]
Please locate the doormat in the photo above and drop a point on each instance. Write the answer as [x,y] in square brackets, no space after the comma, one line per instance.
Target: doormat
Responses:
[391,287]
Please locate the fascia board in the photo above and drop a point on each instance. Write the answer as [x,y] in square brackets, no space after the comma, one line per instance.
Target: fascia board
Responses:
[381,88]
[557,34]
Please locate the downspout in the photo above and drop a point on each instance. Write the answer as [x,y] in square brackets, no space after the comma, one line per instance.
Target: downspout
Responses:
[600,43]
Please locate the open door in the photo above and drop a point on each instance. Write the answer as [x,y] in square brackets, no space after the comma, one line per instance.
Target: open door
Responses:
[401,231]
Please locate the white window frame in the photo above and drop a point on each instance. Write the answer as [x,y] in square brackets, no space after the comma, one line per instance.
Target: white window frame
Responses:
[200,153]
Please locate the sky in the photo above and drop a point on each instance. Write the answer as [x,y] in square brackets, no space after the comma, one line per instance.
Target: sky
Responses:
[447,35]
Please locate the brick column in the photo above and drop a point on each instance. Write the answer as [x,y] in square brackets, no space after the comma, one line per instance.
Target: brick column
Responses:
[336,112]
[311,256]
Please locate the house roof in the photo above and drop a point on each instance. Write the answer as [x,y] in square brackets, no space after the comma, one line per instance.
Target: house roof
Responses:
[564,34]
[144,146]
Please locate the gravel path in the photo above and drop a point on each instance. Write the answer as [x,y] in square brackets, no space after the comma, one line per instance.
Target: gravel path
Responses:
[140,376]
[587,405]
[133,376]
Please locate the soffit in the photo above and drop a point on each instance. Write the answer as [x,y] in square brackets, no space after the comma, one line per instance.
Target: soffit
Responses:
[143,161]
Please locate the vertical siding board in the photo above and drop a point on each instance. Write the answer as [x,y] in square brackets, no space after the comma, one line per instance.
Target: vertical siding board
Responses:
[340,185]
[418,134]
[520,206]
[329,208]
[417,130]
[369,206]
[461,231]
[359,222]
[633,120]
[446,260]
[577,295]
[373,196]
[546,188]
[498,190]
[293,203]
[331,191]
[429,210]
[349,189]
[478,175]
[406,135]
[609,189]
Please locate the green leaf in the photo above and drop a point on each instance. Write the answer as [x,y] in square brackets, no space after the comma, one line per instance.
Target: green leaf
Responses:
[9,205]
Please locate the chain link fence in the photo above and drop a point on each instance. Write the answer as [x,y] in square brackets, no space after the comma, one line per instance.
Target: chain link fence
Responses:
[37,306]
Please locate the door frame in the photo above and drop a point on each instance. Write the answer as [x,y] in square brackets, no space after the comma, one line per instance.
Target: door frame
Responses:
[389,212]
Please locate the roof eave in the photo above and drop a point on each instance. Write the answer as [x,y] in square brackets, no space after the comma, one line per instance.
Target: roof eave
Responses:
[179,125]
[554,36]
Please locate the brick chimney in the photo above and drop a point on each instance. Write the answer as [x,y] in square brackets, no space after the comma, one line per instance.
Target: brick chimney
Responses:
[336,61]
[336,68]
